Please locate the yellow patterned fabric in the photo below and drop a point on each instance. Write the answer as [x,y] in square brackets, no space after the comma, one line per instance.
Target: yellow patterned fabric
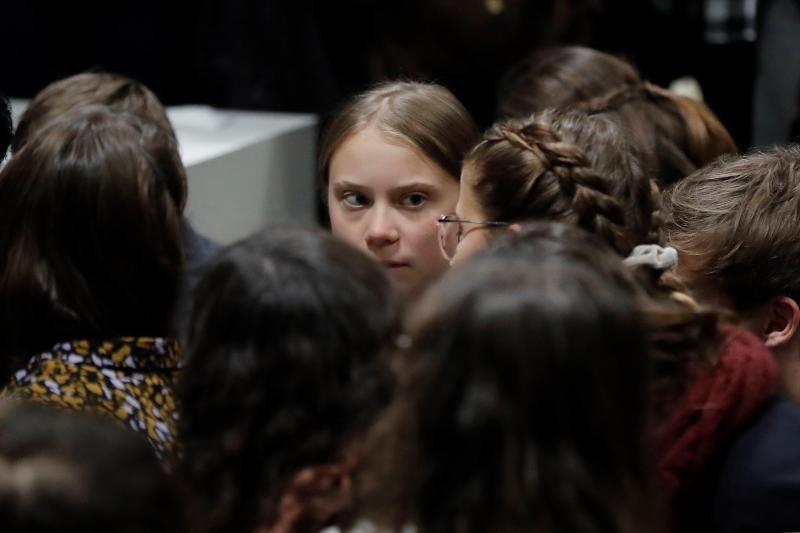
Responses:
[130,379]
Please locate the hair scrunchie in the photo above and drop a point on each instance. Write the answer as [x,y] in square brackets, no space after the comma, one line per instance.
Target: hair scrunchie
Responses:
[654,256]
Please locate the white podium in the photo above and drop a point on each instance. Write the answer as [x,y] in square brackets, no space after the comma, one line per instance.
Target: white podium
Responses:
[245,169]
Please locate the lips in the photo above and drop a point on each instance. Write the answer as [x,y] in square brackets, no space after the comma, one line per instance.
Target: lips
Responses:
[395,264]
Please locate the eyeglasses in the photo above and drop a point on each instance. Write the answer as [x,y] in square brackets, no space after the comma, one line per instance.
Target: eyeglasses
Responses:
[452,232]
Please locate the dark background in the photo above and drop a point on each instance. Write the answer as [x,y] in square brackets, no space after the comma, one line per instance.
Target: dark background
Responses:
[308,55]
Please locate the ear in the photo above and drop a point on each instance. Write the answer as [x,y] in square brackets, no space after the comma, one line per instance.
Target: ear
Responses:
[781,323]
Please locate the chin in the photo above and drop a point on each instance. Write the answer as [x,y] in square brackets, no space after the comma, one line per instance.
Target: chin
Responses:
[407,288]
[402,284]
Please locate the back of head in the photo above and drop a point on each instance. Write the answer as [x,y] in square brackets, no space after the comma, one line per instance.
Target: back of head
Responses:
[561,76]
[551,240]
[682,335]
[64,472]
[735,224]
[114,91]
[425,116]
[289,328]
[89,233]
[676,133]
[566,166]
[497,424]
[6,126]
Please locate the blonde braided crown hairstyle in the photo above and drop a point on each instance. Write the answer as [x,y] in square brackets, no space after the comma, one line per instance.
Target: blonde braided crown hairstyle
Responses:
[526,170]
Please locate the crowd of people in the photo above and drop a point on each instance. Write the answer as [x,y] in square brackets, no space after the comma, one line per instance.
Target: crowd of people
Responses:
[584,319]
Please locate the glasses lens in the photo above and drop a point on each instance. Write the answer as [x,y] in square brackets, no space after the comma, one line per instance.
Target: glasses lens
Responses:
[448,235]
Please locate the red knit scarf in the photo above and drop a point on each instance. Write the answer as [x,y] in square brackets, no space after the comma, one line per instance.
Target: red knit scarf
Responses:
[712,410]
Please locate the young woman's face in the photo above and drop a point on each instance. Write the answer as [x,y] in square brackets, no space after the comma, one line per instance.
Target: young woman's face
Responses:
[384,197]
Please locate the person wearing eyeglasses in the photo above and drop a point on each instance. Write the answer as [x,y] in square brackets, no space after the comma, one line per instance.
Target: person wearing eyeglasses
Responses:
[563,166]
[390,164]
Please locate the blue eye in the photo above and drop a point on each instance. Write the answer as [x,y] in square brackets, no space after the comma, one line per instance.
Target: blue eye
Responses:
[355,199]
[414,200]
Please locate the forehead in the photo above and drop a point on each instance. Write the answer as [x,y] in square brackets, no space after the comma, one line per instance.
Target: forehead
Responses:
[373,159]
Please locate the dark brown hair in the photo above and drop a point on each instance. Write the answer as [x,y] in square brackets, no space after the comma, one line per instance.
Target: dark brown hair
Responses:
[63,472]
[564,165]
[291,328]
[560,76]
[90,236]
[511,367]
[737,222]
[682,133]
[682,334]
[425,116]
[676,134]
[114,91]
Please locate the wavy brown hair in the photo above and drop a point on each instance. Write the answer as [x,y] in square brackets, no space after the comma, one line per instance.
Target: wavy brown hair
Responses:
[89,233]
[560,76]
[677,135]
[737,221]
[682,133]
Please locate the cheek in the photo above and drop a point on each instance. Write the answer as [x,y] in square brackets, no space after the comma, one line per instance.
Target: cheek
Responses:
[474,242]
[423,238]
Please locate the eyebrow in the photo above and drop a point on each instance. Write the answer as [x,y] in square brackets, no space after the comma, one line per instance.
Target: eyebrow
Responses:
[344,184]
[414,186]
[406,187]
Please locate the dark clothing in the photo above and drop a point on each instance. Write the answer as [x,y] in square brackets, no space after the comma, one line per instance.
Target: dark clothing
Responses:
[197,252]
[705,421]
[758,487]
[776,115]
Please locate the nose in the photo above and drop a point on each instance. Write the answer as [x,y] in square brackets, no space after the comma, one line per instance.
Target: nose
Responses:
[382,230]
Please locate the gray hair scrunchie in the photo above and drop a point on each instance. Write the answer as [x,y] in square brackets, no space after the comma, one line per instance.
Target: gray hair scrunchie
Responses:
[654,256]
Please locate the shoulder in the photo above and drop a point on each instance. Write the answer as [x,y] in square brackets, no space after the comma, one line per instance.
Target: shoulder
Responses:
[759,483]
[198,249]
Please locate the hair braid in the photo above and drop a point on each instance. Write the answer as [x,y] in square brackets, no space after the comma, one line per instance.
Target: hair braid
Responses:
[541,176]
[624,94]
[689,131]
